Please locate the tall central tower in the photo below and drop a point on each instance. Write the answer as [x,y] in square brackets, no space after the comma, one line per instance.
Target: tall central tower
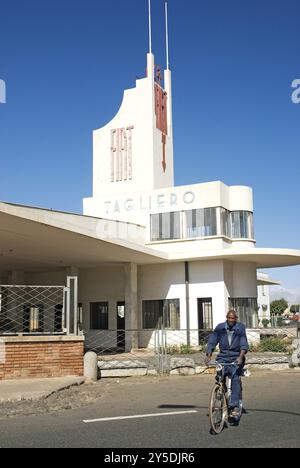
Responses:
[134,151]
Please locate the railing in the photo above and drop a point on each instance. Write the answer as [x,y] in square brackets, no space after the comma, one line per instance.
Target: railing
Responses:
[164,351]
[272,339]
[38,310]
[152,350]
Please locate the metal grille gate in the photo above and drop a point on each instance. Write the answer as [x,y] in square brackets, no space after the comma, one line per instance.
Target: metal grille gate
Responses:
[38,310]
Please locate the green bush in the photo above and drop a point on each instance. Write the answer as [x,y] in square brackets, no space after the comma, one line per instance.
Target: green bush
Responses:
[273,344]
[279,321]
[185,349]
[265,322]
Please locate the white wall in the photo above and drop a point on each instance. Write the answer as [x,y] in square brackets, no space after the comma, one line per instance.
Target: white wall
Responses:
[105,284]
[207,280]
[164,281]
[263,301]
[135,206]
[168,281]
[137,111]
[240,279]
[244,280]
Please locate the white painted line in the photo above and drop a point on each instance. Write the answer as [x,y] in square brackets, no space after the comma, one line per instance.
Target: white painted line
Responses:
[139,416]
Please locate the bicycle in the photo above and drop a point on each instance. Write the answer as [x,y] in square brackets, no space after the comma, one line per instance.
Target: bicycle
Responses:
[220,399]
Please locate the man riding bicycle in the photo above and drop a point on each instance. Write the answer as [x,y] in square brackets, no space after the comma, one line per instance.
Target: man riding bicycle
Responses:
[232,340]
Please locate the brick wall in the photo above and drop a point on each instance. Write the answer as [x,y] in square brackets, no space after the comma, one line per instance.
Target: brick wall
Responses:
[38,359]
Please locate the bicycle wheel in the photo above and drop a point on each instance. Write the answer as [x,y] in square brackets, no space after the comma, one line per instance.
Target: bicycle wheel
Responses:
[218,409]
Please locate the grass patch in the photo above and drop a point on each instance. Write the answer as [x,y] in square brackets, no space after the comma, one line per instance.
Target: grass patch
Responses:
[272,345]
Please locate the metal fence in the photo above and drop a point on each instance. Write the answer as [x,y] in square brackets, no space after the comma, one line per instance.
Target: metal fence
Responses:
[145,351]
[273,339]
[163,350]
[38,310]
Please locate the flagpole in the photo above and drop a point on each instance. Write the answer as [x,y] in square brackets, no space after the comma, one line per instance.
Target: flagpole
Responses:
[167,34]
[150,28]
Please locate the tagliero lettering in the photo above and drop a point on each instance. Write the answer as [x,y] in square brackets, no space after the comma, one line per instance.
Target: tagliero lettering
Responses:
[2,92]
[170,200]
[296,93]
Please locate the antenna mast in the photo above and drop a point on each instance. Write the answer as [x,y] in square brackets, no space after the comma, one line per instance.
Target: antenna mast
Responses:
[167,34]
[150,28]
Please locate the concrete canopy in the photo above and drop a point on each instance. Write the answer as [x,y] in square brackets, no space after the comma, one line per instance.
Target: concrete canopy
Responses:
[263,280]
[35,239]
[263,258]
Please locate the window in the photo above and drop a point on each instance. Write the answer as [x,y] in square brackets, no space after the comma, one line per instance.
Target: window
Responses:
[247,310]
[225,223]
[161,312]
[58,318]
[99,316]
[201,223]
[33,319]
[165,226]
[242,225]
[205,314]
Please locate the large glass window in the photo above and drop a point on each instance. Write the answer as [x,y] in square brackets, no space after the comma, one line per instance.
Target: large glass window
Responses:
[99,316]
[247,310]
[201,223]
[225,223]
[161,312]
[242,225]
[165,226]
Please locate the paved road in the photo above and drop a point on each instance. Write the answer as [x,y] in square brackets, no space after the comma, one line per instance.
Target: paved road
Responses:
[272,401]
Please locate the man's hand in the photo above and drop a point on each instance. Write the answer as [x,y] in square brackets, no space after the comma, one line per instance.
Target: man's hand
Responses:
[207,359]
[241,358]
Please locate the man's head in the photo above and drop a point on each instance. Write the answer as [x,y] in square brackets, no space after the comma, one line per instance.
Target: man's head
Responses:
[232,318]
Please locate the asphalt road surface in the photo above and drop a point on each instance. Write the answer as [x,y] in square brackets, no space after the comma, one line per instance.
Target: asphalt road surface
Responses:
[166,412]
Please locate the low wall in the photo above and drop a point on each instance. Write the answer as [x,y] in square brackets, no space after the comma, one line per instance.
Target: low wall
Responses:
[26,357]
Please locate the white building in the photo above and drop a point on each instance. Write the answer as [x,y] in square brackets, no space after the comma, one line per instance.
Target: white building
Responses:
[263,296]
[144,249]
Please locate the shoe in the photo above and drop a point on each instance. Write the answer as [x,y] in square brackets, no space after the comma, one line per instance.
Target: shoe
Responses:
[235,413]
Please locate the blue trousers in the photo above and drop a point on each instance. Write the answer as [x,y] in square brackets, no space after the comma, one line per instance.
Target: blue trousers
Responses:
[236,387]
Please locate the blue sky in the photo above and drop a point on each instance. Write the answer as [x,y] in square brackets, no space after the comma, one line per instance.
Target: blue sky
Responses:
[66,63]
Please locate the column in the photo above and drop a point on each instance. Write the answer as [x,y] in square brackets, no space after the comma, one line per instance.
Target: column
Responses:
[131,306]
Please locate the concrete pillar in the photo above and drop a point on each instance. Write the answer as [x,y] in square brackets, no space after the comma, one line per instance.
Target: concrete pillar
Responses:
[90,367]
[131,306]
[72,271]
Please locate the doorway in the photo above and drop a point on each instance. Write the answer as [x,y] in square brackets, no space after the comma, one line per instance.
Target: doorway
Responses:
[121,334]
[205,314]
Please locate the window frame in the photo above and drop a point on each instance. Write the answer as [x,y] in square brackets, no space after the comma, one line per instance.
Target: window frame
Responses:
[161,316]
[94,325]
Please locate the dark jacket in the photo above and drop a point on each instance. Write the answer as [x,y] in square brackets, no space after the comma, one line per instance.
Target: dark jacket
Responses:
[219,337]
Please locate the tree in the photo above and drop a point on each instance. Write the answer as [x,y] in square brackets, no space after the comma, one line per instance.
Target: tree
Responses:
[295,308]
[279,306]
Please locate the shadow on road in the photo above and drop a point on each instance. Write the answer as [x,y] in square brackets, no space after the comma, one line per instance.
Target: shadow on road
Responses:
[248,411]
